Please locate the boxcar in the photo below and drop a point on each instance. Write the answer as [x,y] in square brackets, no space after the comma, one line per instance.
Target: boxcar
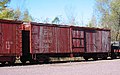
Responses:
[10,40]
[49,40]
[93,42]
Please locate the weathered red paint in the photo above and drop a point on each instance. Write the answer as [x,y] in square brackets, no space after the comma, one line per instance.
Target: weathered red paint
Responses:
[97,41]
[48,38]
[90,40]
[63,40]
[77,39]
[43,39]
[10,38]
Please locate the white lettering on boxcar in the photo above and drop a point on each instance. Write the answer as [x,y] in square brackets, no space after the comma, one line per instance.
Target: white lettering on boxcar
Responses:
[47,37]
[8,44]
[47,34]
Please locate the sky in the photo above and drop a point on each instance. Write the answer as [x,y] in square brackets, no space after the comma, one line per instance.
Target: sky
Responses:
[41,10]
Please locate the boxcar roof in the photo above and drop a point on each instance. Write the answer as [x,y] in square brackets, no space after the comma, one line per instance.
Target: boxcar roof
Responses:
[89,28]
[74,27]
[10,21]
[55,25]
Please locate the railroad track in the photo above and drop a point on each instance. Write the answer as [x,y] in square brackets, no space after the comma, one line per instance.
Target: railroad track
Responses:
[61,60]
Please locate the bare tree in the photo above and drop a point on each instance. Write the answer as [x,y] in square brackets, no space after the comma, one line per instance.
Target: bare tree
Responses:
[71,15]
[92,22]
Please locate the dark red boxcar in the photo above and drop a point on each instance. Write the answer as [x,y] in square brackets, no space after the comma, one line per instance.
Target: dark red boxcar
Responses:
[91,39]
[10,40]
[65,40]
[97,40]
[47,38]
[91,42]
